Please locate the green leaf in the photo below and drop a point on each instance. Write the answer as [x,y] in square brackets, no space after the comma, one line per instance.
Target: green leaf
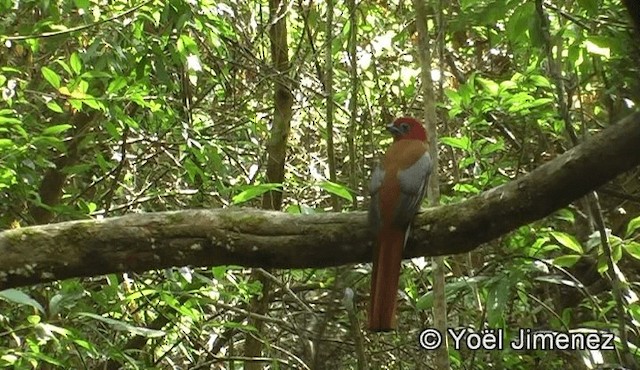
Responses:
[520,20]
[51,76]
[93,103]
[9,358]
[539,102]
[299,209]
[519,101]
[52,105]
[11,120]
[505,86]
[540,81]
[76,63]
[632,226]
[602,264]
[489,85]
[566,215]
[76,104]
[463,142]
[123,326]
[45,358]
[453,96]
[48,141]
[568,241]
[567,260]
[54,130]
[4,143]
[591,6]
[254,191]
[116,85]
[82,4]
[16,296]
[186,45]
[633,248]
[337,189]
[491,148]
[96,74]
[466,188]
[616,252]
[598,46]
[64,66]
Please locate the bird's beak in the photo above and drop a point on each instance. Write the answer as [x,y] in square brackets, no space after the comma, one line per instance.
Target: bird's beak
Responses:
[394,130]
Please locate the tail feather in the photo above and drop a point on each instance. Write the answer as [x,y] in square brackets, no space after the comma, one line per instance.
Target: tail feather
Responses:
[384,281]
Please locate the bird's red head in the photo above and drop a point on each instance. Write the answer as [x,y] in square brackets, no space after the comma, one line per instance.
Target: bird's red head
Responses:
[407,128]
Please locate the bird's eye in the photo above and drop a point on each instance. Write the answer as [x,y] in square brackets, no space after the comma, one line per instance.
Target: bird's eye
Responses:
[404,127]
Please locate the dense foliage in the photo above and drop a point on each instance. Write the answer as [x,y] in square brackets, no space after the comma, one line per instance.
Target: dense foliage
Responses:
[115,107]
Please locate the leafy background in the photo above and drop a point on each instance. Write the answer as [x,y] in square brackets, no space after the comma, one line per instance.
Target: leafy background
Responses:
[111,107]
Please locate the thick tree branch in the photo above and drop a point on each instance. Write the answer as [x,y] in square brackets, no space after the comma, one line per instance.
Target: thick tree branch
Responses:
[249,237]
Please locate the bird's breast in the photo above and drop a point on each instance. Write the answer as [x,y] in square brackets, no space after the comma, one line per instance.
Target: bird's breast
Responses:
[401,155]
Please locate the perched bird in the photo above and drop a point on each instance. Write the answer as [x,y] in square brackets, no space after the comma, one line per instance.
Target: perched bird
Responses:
[397,188]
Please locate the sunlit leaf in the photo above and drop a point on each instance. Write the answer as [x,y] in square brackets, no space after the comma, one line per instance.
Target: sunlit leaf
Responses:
[566,215]
[254,191]
[540,81]
[491,86]
[51,77]
[337,189]
[632,226]
[466,188]
[568,241]
[186,45]
[457,142]
[54,130]
[93,103]
[453,96]
[567,260]
[52,105]
[116,85]
[539,102]
[9,120]
[616,252]
[9,358]
[598,47]
[95,74]
[75,63]
[82,4]
[507,85]
[64,91]
[633,248]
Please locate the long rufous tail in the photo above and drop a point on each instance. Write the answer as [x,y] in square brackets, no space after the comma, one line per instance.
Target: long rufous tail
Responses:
[384,281]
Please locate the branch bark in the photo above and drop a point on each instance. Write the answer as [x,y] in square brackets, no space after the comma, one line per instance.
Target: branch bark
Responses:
[249,237]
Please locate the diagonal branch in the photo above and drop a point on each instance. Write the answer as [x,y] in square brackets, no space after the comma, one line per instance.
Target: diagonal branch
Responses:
[250,237]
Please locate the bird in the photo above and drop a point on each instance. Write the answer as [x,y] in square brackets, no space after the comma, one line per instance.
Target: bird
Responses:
[398,185]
